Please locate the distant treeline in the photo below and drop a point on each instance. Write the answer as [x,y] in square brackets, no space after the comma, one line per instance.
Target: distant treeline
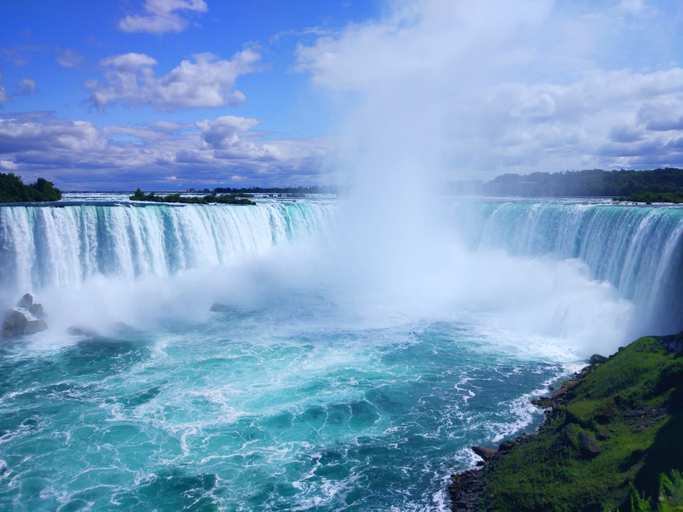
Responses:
[326,189]
[13,190]
[139,195]
[594,182]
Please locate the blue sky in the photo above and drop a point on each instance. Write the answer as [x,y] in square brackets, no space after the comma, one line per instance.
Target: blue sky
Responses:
[171,94]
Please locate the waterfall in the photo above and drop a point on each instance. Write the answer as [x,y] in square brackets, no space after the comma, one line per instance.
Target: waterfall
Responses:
[44,245]
[636,249]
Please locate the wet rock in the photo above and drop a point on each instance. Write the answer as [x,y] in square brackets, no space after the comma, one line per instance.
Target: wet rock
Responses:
[81,331]
[597,359]
[565,388]
[466,490]
[506,446]
[19,322]
[14,325]
[484,453]
[34,326]
[26,301]
[543,402]
[589,445]
[37,311]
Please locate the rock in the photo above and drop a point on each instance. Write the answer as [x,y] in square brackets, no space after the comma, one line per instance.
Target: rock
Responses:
[26,301]
[81,331]
[466,490]
[218,308]
[34,326]
[17,324]
[37,311]
[506,446]
[484,453]
[589,445]
[14,325]
[597,359]
[566,387]
[543,402]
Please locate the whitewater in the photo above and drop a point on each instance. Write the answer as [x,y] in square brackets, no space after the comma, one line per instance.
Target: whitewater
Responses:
[338,374]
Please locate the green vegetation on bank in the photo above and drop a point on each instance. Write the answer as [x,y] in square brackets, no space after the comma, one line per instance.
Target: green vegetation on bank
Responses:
[13,190]
[588,183]
[670,497]
[139,195]
[653,197]
[314,189]
[617,428]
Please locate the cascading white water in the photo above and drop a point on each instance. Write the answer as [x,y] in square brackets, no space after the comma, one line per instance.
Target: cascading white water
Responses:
[46,246]
[636,249]
[320,383]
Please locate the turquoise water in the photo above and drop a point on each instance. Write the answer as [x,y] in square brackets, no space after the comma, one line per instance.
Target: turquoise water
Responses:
[245,412]
[329,382]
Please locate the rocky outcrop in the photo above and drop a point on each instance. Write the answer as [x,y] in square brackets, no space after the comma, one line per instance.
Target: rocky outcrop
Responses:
[484,453]
[26,318]
[673,342]
[597,359]
[589,445]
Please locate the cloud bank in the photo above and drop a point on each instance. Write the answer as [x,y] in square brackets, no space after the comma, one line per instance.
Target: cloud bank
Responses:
[206,82]
[521,86]
[161,156]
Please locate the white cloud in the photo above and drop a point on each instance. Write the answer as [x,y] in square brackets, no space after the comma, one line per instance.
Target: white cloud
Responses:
[518,86]
[212,151]
[27,86]
[69,58]
[3,95]
[223,132]
[206,82]
[129,62]
[162,16]
[42,133]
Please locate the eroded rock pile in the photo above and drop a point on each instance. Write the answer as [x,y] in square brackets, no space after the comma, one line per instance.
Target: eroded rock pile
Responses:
[26,318]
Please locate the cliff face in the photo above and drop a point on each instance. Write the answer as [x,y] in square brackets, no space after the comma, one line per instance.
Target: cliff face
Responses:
[618,423]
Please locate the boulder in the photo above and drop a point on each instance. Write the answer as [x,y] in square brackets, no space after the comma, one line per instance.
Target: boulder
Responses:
[34,326]
[589,445]
[14,324]
[506,446]
[26,301]
[597,359]
[37,311]
[484,453]
[81,331]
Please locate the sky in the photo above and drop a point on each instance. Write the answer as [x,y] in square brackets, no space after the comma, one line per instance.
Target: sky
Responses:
[173,94]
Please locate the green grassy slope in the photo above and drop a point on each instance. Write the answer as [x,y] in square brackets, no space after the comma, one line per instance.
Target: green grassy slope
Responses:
[632,406]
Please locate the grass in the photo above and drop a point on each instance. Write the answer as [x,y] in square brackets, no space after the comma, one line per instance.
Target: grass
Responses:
[629,405]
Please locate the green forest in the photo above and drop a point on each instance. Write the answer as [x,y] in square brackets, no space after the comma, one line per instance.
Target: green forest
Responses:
[658,185]
[13,190]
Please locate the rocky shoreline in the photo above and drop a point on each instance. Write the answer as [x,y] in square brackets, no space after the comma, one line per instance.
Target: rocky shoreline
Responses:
[466,489]
[613,418]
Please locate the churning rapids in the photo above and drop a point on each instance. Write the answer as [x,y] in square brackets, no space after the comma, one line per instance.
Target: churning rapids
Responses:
[320,386]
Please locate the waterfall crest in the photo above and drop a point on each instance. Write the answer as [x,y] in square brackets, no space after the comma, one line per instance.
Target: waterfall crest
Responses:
[43,246]
[636,249]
